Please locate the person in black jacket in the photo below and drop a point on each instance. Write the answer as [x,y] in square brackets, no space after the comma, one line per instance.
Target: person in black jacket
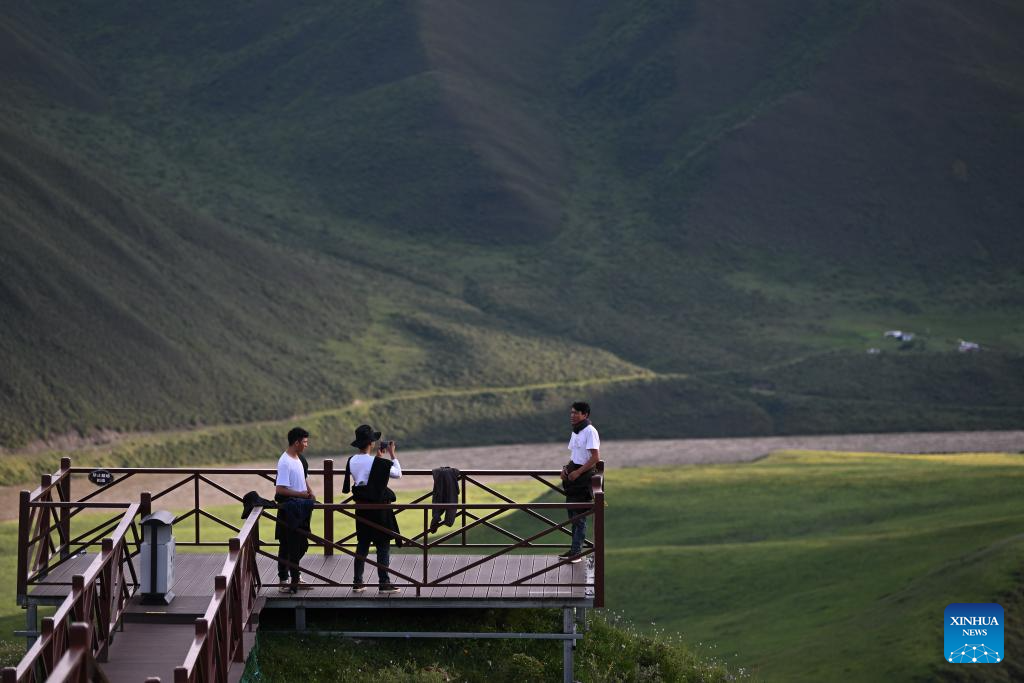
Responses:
[371,474]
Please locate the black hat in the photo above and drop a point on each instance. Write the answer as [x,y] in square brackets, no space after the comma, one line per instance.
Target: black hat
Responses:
[365,436]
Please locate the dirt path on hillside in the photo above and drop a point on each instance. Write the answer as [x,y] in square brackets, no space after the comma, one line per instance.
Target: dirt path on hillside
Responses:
[551,455]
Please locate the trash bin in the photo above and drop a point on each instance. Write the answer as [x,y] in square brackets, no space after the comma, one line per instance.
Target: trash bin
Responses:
[157,558]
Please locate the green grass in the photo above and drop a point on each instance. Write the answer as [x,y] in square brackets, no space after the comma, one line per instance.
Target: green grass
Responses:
[804,562]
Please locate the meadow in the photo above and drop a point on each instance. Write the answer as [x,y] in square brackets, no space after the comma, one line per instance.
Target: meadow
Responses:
[800,566]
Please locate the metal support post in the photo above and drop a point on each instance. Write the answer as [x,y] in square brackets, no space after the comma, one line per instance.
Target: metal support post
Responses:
[300,618]
[31,623]
[329,500]
[568,627]
[581,620]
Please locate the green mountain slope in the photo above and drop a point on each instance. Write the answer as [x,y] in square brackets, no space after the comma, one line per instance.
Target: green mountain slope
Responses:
[234,212]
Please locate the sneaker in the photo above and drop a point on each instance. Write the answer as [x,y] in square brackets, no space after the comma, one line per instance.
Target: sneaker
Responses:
[389,588]
[304,586]
[572,557]
[358,587]
[284,587]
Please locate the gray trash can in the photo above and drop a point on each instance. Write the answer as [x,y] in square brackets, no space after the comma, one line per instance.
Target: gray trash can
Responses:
[157,558]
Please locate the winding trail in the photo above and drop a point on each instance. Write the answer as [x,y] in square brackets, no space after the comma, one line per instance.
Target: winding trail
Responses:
[650,453]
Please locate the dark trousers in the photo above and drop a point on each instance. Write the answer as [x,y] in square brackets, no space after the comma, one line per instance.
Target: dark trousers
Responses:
[383,559]
[290,549]
[579,528]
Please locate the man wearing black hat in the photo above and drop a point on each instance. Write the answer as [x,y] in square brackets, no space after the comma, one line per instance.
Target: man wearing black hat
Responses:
[371,474]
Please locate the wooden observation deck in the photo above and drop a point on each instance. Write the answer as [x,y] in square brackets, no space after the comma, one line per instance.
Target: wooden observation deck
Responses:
[81,554]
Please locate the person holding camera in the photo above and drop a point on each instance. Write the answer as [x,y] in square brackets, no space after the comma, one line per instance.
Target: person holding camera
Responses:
[371,474]
[584,454]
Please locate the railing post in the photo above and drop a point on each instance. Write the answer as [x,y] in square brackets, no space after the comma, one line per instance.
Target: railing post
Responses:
[77,588]
[426,554]
[106,597]
[49,654]
[23,530]
[463,493]
[195,479]
[599,548]
[65,513]
[202,668]
[45,518]
[146,504]
[255,551]
[328,501]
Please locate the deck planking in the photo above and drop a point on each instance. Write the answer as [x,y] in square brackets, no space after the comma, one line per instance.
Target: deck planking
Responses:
[194,576]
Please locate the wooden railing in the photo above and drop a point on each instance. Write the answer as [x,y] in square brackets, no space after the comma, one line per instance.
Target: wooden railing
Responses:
[219,634]
[478,515]
[46,514]
[96,603]
[78,663]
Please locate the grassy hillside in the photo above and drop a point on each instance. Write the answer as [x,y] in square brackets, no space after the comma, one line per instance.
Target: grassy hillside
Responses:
[236,212]
[643,407]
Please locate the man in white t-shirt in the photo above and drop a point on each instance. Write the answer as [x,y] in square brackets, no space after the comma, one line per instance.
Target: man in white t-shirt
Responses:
[291,483]
[584,453]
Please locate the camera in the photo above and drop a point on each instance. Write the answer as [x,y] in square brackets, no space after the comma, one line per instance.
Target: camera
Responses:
[382,445]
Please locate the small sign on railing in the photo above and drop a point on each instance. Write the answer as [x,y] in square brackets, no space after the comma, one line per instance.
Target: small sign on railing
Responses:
[101,477]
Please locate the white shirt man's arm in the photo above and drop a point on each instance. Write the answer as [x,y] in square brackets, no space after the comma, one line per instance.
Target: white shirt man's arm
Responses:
[292,493]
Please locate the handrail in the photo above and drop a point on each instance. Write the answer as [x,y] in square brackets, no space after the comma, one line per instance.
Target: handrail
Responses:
[219,632]
[101,609]
[37,553]
[78,662]
[312,471]
[48,539]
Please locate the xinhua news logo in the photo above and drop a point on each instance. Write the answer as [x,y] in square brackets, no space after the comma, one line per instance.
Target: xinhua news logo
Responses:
[974,633]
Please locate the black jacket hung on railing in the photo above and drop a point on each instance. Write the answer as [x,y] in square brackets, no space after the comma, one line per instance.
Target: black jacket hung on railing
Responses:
[446,490]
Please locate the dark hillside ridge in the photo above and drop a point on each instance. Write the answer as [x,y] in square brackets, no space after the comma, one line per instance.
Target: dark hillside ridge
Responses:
[234,212]
[904,149]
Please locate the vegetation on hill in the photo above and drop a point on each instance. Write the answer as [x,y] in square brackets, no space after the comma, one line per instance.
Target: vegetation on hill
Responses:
[888,394]
[236,212]
[611,650]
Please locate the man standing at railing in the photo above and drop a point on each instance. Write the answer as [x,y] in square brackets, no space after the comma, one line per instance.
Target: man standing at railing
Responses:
[292,487]
[584,453]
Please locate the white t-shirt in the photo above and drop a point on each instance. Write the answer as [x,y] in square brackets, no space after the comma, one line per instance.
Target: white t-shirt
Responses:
[290,473]
[580,444]
[360,466]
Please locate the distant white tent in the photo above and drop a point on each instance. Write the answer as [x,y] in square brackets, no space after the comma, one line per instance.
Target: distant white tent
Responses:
[899,334]
[968,346]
